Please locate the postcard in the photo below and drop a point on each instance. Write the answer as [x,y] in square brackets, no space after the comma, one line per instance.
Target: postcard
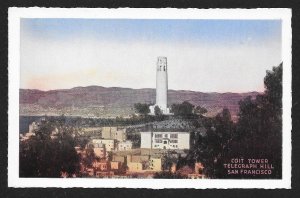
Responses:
[149,98]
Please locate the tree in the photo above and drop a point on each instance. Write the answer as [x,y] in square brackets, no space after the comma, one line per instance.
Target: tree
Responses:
[167,175]
[212,149]
[43,156]
[157,111]
[257,134]
[184,109]
[260,123]
[142,108]
[200,110]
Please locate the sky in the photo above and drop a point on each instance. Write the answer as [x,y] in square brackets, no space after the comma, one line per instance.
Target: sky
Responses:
[203,55]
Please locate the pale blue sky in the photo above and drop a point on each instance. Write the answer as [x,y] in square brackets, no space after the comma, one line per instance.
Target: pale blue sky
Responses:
[203,55]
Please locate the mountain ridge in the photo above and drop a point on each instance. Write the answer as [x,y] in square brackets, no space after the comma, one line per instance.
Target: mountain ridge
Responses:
[99,101]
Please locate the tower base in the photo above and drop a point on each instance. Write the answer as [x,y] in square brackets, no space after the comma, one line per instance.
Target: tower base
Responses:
[165,110]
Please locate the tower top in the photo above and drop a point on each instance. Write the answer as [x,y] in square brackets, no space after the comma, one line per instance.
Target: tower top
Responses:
[161,63]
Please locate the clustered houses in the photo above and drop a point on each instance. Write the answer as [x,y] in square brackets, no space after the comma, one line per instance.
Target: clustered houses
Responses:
[114,157]
[112,139]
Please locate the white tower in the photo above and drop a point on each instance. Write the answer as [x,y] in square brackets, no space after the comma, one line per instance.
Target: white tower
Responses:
[161,86]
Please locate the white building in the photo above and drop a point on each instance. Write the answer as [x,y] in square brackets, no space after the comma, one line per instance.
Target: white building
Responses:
[125,146]
[165,140]
[33,127]
[109,144]
[161,86]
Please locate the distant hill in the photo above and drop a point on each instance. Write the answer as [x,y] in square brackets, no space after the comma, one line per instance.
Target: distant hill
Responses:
[97,101]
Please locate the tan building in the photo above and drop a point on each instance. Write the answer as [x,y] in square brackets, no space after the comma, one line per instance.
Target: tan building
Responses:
[155,164]
[118,158]
[115,133]
[137,158]
[135,167]
[115,165]
[99,150]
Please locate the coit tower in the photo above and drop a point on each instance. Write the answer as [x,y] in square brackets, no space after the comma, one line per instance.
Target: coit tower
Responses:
[161,85]
[161,82]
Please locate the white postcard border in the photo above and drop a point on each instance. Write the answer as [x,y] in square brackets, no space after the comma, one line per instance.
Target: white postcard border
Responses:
[15,14]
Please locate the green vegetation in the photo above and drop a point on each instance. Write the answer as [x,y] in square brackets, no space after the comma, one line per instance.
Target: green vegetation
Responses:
[200,110]
[167,175]
[183,109]
[142,109]
[157,111]
[43,156]
[257,134]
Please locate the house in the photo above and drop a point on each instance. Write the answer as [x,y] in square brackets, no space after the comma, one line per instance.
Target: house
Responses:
[138,158]
[118,158]
[116,133]
[99,150]
[165,140]
[106,174]
[135,167]
[102,165]
[33,127]
[125,145]
[90,171]
[109,143]
[115,165]
[155,164]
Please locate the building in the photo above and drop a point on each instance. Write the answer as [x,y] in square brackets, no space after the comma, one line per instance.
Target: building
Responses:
[33,127]
[101,165]
[125,146]
[165,140]
[99,150]
[161,86]
[109,143]
[138,158]
[114,165]
[155,164]
[115,133]
[118,158]
[135,167]
[91,130]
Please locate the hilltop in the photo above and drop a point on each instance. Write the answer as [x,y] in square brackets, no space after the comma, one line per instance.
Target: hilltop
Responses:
[97,101]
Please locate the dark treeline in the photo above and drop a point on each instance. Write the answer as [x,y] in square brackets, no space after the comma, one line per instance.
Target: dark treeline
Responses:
[256,135]
[91,122]
[43,156]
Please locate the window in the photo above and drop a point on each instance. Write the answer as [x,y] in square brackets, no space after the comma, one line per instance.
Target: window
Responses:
[165,142]
[173,141]
[158,141]
[158,135]
[166,135]
[173,135]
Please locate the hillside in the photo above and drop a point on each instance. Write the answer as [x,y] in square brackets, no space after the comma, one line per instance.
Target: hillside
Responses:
[97,101]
